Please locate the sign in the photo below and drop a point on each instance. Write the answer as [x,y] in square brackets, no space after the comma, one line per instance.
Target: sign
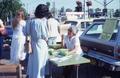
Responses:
[75,15]
[108,29]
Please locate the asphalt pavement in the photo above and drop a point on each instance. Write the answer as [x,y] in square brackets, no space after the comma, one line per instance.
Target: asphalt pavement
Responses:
[85,70]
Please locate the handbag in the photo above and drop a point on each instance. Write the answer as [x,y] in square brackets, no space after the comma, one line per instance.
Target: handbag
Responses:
[28,47]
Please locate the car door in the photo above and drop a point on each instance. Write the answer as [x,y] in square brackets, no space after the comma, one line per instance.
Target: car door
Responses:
[91,40]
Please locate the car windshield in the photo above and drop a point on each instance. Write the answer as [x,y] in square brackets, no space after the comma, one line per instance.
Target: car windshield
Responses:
[96,30]
[74,23]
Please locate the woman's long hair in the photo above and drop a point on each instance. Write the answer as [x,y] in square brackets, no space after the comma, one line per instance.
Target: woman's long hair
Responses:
[19,16]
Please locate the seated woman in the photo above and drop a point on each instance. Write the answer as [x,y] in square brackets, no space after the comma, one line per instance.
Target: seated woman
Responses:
[71,42]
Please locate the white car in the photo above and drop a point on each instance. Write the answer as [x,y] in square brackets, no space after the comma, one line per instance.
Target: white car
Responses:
[80,24]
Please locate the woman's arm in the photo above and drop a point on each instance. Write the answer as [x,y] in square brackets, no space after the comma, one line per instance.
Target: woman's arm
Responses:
[76,45]
[74,50]
[27,28]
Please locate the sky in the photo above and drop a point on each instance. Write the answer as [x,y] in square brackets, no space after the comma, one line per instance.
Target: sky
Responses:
[30,5]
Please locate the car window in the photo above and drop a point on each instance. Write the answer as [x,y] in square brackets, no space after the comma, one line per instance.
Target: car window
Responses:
[97,29]
[74,23]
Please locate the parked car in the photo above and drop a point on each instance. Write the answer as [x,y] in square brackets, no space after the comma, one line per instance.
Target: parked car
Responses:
[8,38]
[101,43]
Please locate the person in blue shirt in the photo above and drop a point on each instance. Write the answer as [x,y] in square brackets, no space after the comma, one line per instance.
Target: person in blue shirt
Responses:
[37,31]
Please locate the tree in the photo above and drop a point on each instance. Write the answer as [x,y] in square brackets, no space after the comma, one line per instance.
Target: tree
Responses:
[98,12]
[8,8]
[48,4]
[105,12]
[68,10]
[62,9]
[117,13]
[91,12]
[78,8]
[89,3]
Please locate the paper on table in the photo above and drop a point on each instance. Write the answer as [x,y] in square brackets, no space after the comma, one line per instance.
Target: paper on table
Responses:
[61,59]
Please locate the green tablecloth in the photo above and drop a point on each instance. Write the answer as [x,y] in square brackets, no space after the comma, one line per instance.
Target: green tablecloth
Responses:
[69,60]
[72,59]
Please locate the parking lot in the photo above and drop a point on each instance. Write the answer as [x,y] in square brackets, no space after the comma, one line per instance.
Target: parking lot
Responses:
[85,70]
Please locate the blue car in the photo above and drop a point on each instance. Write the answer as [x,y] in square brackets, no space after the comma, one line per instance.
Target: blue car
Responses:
[101,43]
[5,40]
[8,37]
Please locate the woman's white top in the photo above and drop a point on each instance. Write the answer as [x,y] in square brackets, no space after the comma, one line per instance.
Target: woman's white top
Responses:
[72,42]
[53,25]
[18,31]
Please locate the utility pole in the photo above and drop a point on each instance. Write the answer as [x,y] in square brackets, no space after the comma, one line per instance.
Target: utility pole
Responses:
[54,9]
[84,10]
[27,8]
[119,4]
[105,8]
[105,4]
[88,3]
[84,13]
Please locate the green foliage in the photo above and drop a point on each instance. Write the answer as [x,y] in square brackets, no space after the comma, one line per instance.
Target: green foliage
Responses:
[50,51]
[48,4]
[8,8]
[117,13]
